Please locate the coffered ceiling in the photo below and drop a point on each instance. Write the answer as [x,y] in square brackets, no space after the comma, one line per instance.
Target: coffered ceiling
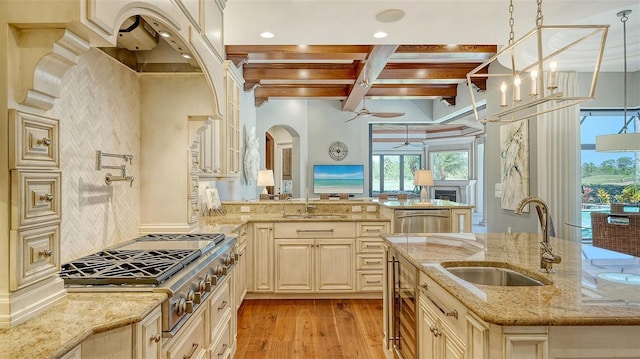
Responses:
[351,72]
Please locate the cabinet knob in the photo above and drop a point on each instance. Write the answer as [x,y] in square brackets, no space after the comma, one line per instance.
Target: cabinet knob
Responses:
[46,253]
[156,338]
[425,286]
[46,197]
[435,331]
[46,141]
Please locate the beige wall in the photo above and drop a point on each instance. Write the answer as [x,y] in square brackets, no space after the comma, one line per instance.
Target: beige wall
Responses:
[99,109]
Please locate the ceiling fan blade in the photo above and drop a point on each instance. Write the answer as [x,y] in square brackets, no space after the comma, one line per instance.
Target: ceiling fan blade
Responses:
[402,145]
[353,118]
[387,114]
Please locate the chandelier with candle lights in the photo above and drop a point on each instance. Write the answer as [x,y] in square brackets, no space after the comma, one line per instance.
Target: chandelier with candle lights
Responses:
[525,75]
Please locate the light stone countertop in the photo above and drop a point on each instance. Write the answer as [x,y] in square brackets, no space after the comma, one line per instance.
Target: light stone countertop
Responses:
[72,319]
[416,204]
[578,295]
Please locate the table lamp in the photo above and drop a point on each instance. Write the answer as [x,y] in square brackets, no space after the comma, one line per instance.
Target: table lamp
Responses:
[265,179]
[423,178]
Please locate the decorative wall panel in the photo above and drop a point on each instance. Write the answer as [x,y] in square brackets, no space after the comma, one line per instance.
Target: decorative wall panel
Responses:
[99,109]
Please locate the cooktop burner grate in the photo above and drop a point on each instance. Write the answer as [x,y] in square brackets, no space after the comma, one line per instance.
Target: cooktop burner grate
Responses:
[127,266]
[216,238]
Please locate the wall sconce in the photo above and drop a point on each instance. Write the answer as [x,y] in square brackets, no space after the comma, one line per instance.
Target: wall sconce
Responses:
[423,178]
[265,179]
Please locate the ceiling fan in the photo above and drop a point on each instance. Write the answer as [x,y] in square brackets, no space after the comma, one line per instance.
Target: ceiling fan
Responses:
[366,113]
[409,144]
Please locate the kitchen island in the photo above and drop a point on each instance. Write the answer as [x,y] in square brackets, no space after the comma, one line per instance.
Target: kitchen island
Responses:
[457,215]
[590,288]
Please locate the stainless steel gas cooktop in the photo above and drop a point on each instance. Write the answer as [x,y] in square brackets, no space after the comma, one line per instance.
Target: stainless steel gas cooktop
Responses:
[187,267]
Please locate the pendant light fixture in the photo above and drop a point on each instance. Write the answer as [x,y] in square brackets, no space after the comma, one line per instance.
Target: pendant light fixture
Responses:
[525,74]
[622,141]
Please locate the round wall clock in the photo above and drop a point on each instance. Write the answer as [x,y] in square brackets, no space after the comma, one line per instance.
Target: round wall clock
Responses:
[338,151]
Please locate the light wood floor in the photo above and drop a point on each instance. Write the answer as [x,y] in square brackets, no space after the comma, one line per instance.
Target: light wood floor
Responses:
[307,329]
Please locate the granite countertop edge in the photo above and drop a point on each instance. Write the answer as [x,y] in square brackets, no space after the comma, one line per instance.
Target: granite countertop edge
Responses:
[75,323]
[464,292]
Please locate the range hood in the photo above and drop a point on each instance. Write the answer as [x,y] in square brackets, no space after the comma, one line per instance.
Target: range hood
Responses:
[147,46]
[136,35]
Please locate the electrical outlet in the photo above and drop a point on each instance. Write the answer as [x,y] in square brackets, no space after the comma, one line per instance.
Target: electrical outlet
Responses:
[508,229]
[356,208]
[371,208]
[245,209]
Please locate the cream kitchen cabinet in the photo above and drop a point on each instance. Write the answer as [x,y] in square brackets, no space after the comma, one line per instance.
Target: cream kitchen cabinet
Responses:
[314,257]
[370,256]
[216,142]
[241,267]
[233,82]
[141,340]
[263,257]
[437,339]
[35,213]
[148,336]
[115,343]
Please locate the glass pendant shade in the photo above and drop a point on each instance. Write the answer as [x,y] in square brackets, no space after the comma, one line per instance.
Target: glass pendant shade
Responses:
[524,75]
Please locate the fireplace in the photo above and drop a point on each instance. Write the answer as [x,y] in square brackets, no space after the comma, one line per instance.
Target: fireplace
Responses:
[449,195]
[461,191]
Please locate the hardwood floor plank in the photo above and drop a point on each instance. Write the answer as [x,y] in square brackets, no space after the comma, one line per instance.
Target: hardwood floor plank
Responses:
[351,339]
[310,329]
[329,345]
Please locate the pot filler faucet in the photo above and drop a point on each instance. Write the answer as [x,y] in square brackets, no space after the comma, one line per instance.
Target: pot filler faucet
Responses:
[547,257]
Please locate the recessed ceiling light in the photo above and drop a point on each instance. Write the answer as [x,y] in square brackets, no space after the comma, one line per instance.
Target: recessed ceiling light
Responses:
[267,35]
[164,34]
[186,56]
[391,15]
[380,35]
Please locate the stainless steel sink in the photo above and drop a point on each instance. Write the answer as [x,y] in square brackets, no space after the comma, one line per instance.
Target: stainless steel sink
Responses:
[314,216]
[495,276]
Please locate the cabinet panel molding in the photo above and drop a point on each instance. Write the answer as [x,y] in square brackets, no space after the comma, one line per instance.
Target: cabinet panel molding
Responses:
[33,141]
[35,198]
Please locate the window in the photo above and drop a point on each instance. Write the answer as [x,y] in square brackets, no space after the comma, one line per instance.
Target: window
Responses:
[606,177]
[450,165]
[393,173]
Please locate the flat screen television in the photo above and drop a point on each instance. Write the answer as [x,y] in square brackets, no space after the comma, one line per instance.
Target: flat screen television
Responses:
[338,179]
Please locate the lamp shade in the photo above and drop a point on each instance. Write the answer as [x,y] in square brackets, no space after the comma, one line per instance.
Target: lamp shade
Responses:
[265,178]
[423,178]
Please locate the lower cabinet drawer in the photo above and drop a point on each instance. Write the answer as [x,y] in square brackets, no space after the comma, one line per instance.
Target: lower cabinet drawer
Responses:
[368,261]
[191,342]
[220,304]
[221,347]
[37,254]
[370,281]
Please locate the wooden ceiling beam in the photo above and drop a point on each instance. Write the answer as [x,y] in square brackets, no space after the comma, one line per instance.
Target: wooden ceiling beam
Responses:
[309,91]
[411,90]
[427,71]
[428,49]
[297,52]
[263,73]
[375,64]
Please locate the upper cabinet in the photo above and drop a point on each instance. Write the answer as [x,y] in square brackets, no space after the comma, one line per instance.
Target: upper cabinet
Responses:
[233,81]
[217,142]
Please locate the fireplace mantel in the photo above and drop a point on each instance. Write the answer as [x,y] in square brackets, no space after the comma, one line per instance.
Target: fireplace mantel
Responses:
[465,189]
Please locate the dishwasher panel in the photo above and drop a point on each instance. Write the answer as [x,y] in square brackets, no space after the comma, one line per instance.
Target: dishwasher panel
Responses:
[422,221]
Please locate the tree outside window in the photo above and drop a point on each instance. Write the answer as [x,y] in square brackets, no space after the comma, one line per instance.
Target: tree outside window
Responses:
[450,165]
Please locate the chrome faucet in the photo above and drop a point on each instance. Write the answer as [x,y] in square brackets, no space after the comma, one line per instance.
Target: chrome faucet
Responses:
[307,207]
[547,257]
